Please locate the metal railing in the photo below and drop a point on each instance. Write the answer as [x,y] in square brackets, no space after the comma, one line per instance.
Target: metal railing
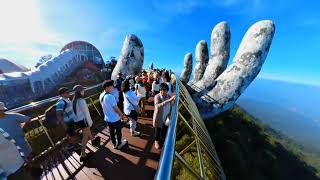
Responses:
[188,152]
[45,101]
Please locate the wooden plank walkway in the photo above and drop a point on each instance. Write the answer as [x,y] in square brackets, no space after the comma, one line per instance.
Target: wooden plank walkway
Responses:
[138,160]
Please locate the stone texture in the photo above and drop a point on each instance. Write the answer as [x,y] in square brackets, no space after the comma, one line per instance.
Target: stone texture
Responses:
[246,66]
[201,60]
[220,52]
[131,57]
[187,70]
[220,87]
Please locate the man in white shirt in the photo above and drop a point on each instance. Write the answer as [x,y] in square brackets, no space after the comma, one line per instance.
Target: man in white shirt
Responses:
[112,114]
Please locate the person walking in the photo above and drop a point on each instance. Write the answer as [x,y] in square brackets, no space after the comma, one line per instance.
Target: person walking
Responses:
[83,119]
[66,117]
[162,108]
[112,114]
[131,100]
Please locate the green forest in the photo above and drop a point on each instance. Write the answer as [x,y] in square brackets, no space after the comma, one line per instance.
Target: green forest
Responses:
[249,149]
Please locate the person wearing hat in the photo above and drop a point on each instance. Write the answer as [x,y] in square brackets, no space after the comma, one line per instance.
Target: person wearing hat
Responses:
[66,116]
[83,119]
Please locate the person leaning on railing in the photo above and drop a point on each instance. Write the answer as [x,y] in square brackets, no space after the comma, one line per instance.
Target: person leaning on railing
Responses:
[162,108]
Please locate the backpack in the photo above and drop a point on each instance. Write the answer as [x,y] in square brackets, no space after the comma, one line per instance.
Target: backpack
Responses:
[50,114]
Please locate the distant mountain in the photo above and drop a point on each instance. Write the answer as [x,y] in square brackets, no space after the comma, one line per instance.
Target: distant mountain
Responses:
[291,108]
[249,150]
[7,66]
[300,128]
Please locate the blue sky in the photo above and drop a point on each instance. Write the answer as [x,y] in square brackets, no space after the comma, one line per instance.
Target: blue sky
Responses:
[168,30]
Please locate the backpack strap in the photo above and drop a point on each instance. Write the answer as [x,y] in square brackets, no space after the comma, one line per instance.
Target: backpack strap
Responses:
[64,106]
[101,100]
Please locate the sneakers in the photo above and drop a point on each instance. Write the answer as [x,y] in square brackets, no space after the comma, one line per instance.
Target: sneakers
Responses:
[123,143]
[135,133]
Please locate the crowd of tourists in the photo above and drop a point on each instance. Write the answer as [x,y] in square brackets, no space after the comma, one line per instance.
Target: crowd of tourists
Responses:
[122,100]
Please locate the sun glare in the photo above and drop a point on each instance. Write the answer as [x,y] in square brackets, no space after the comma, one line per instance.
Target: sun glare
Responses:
[20,21]
[23,30]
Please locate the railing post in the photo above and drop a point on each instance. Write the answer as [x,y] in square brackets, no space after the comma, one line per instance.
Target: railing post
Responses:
[199,153]
[45,130]
[95,107]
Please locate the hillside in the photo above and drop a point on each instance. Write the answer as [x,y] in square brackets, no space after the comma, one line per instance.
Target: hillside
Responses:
[250,150]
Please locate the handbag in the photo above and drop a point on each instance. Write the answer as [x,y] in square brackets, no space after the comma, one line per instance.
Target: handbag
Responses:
[136,108]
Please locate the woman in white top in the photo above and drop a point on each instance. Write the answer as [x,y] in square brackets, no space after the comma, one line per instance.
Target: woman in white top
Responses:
[141,92]
[83,119]
[130,99]
[156,86]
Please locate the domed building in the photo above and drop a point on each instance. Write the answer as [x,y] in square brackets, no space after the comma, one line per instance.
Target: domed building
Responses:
[86,48]
[91,69]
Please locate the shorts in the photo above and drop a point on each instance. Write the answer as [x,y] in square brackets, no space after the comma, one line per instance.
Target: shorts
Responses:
[70,128]
[82,124]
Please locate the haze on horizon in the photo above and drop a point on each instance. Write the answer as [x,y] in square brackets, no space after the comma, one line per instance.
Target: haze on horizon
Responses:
[31,29]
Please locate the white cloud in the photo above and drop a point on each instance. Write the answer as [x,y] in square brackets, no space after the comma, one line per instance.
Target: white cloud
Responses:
[23,34]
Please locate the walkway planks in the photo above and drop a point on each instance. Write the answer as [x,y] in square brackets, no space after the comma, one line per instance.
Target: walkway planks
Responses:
[138,160]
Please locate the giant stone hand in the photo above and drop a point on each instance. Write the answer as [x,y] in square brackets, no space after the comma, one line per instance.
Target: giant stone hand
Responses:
[215,87]
[131,57]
